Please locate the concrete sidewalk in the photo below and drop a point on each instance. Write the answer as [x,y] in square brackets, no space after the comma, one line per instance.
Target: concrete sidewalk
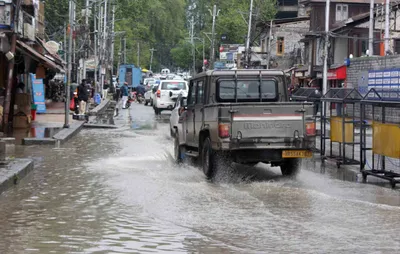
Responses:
[13,172]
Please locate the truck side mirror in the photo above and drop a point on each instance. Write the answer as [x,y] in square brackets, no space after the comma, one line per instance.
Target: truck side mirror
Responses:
[184,102]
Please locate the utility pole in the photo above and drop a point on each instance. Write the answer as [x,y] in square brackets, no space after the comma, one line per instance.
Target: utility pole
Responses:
[325,71]
[212,54]
[95,50]
[248,35]
[138,54]
[371,29]
[69,60]
[112,37]
[204,56]
[151,57]
[387,21]
[74,45]
[119,55]
[193,46]
[103,55]
[269,43]
[10,72]
[88,35]
[124,55]
[65,42]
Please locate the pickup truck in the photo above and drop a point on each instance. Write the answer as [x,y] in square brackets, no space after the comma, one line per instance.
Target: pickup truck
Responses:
[243,116]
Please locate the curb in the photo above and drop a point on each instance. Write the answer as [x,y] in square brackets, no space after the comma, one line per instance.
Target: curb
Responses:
[99,126]
[61,137]
[99,108]
[12,173]
[67,133]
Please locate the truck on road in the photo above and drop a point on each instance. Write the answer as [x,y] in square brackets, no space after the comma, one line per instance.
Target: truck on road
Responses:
[131,74]
[243,116]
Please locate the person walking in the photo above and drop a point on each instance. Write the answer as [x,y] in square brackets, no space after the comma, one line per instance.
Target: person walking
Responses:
[125,94]
[83,97]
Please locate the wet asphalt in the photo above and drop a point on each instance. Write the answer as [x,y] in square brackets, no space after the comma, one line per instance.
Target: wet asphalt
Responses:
[119,191]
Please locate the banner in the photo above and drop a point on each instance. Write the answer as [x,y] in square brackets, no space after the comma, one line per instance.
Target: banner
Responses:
[38,94]
[386,83]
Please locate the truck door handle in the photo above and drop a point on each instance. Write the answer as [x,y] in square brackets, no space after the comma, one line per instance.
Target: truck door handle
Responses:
[233,111]
[300,110]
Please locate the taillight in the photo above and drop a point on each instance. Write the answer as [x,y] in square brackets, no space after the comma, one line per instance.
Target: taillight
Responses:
[158,93]
[311,129]
[223,130]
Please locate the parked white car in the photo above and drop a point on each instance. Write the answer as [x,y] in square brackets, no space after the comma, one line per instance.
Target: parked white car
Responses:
[167,93]
[174,118]
[150,94]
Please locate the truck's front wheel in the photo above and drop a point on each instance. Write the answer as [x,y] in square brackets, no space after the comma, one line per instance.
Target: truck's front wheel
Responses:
[207,159]
[290,167]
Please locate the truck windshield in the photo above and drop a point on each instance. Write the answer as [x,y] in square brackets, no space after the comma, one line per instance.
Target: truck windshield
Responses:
[179,85]
[247,91]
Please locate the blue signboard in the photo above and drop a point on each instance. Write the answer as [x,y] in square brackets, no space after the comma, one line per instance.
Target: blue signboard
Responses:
[38,94]
[386,83]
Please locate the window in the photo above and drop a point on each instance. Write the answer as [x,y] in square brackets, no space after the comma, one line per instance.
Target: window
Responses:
[200,92]
[178,85]
[280,46]
[397,46]
[192,94]
[342,12]
[247,90]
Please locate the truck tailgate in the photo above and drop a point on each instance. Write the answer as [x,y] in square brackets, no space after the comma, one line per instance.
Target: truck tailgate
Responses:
[271,121]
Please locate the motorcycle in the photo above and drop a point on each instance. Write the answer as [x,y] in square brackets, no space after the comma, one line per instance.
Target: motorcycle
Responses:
[129,101]
[140,98]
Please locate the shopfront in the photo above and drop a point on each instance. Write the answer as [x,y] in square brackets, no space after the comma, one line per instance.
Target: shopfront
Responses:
[337,76]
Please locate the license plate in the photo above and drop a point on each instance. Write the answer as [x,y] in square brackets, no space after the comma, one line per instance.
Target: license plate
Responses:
[296,154]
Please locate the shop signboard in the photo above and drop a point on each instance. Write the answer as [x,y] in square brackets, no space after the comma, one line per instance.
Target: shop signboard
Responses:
[337,74]
[5,16]
[223,56]
[38,94]
[386,83]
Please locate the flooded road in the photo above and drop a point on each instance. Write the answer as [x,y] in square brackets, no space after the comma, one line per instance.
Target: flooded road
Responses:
[119,191]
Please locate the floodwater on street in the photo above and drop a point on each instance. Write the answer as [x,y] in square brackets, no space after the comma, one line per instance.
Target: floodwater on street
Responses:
[119,191]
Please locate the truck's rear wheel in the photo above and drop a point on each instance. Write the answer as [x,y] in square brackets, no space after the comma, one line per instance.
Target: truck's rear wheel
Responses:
[207,159]
[290,167]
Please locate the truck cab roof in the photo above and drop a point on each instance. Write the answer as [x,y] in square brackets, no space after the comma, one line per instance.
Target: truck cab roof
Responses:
[241,72]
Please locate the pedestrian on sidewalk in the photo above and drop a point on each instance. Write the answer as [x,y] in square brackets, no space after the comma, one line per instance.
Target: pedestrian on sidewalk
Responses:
[125,94]
[83,97]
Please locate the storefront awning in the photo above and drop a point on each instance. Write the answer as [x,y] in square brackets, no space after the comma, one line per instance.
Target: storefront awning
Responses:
[338,73]
[38,57]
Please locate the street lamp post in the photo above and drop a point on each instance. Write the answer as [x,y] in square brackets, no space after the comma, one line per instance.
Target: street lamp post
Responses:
[69,58]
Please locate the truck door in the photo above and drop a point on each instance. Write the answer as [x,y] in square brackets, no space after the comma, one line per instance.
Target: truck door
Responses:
[198,110]
[190,113]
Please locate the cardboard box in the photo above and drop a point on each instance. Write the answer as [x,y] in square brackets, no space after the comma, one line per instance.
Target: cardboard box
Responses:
[23,99]
[25,110]
[22,122]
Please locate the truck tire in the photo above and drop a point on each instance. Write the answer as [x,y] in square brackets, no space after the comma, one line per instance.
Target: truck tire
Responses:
[290,167]
[208,159]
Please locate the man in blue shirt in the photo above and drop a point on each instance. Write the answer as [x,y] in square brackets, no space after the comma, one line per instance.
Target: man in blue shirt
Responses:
[125,94]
